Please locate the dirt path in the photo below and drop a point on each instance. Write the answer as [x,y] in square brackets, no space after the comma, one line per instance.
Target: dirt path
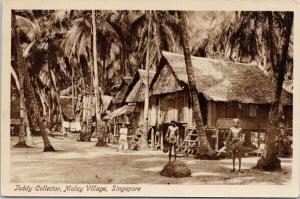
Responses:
[78,162]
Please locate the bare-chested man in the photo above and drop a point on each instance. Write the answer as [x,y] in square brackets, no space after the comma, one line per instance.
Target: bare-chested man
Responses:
[234,142]
[172,137]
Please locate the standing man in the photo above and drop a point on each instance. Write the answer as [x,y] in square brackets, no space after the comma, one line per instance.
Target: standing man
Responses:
[123,144]
[172,137]
[234,143]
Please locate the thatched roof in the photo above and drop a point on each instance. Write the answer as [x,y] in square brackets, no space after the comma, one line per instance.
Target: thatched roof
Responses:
[225,81]
[137,93]
[126,109]
[121,94]
[106,99]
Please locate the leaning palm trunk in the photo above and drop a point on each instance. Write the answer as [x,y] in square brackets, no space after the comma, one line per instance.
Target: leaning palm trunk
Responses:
[31,103]
[33,108]
[25,122]
[269,159]
[204,148]
[22,133]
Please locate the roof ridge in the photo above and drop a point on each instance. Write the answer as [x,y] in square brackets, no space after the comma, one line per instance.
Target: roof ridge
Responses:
[210,59]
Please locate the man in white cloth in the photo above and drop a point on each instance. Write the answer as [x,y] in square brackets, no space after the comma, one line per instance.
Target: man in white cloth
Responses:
[234,143]
[172,137]
[123,144]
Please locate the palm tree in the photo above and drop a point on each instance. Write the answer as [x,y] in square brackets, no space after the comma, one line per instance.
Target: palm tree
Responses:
[146,103]
[77,48]
[124,28]
[204,147]
[81,42]
[96,81]
[106,38]
[31,104]
[21,142]
[165,35]
[46,43]
[278,56]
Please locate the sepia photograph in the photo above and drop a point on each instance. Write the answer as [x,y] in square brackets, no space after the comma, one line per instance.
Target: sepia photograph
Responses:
[127,98]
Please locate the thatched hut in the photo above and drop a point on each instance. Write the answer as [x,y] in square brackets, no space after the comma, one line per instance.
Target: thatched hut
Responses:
[226,90]
[136,95]
[129,102]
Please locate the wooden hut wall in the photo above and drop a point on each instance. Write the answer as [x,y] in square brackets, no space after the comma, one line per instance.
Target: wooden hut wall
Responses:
[137,117]
[252,116]
[211,114]
[174,106]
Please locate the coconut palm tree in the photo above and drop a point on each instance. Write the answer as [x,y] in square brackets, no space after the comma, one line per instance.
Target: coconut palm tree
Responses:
[278,55]
[164,35]
[37,53]
[81,45]
[157,31]
[143,142]
[32,105]
[204,147]
[96,80]
[20,83]
[44,48]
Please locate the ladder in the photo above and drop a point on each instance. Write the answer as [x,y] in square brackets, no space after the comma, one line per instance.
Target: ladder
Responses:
[189,143]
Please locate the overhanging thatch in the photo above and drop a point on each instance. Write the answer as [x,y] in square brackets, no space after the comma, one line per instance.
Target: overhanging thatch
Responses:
[226,81]
[126,109]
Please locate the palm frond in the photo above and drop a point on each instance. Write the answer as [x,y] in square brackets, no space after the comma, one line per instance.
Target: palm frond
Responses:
[30,29]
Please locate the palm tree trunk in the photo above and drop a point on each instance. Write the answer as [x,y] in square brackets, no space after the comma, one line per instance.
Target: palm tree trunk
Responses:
[53,85]
[144,143]
[269,159]
[34,110]
[204,147]
[96,83]
[31,104]
[29,140]
[90,106]
[18,57]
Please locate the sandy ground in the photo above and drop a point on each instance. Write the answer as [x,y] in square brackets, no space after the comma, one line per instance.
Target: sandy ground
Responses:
[78,162]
